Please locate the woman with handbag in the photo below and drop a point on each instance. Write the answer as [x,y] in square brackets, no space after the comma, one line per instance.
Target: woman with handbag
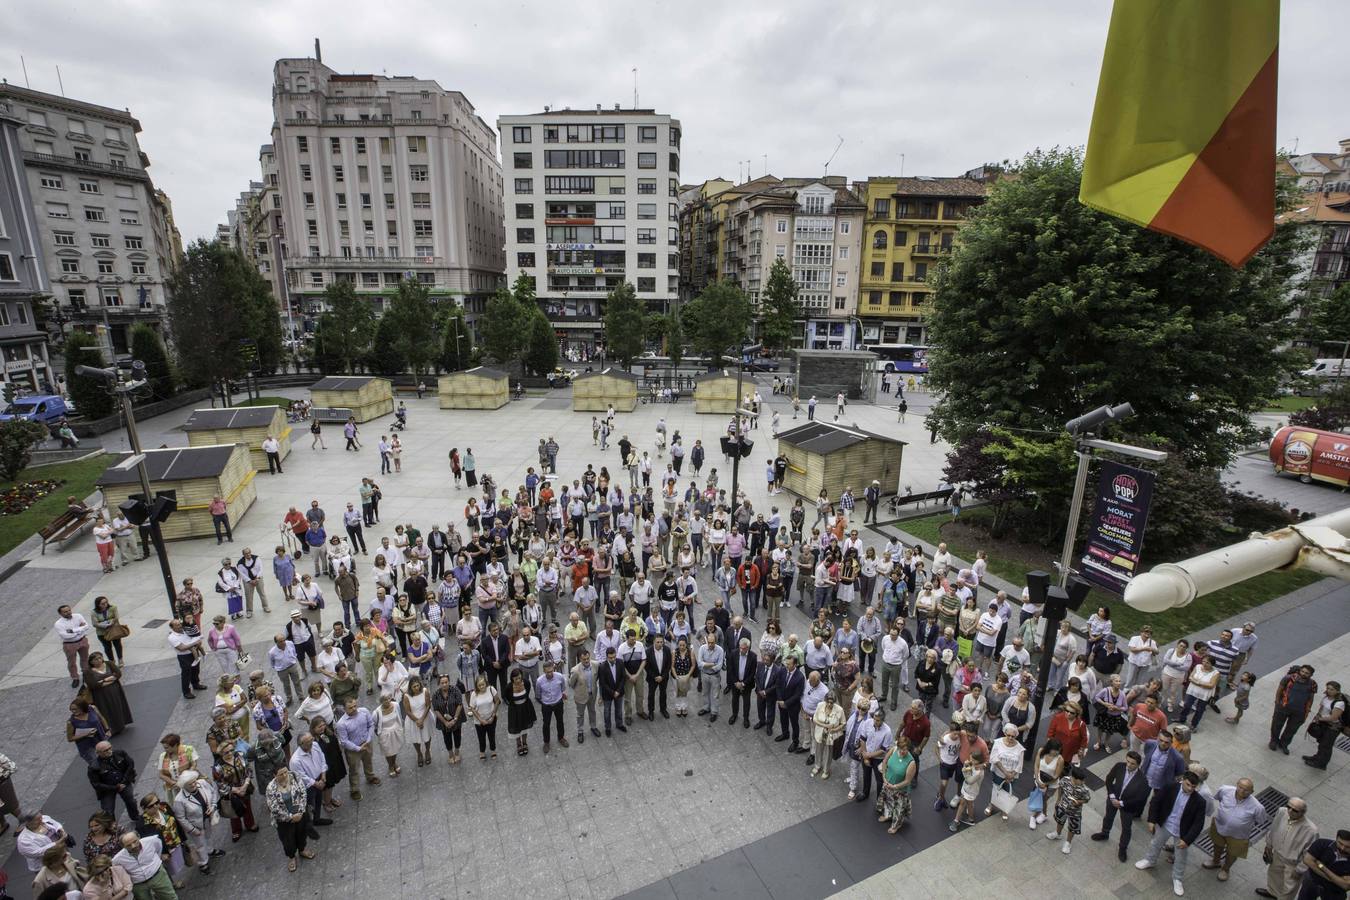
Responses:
[85,728]
[1005,767]
[898,772]
[197,808]
[1049,766]
[234,783]
[103,681]
[109,628]
[156,816]
[287,801]
[827,729]
[225,644]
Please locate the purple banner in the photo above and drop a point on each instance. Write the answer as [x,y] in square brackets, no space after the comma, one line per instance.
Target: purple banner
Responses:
[1117,533]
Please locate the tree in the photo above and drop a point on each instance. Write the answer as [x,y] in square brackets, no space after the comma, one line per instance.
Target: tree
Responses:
[779,307]
[971,465]
[346,328]
[385,356]
[456,342]
[92,398]
[625,324]
[541,349]
[718,319]
[414,325]
[1326,321]
[262,320]
[1330,413]
[149,349]
[18,437]
[505,320]
[1052,308]
[675,340]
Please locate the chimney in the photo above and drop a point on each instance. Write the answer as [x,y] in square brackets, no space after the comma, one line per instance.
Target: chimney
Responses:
[318,54]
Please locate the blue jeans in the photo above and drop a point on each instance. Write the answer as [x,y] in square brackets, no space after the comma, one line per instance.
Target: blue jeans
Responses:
[1199,707]
[1155,846]
[822,600]
[1057,673]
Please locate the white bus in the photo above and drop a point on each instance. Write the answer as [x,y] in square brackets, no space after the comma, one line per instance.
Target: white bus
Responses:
[908,359]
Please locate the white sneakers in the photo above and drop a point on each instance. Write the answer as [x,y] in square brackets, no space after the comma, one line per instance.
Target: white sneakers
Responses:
[1177,887]
[1051,836]
[1067,848]
[1031,821]
[1144,864]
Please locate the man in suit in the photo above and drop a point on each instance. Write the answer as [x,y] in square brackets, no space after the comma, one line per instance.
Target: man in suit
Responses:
[439,545]
[768,680]
[1161,763]
[612,679]
[659,660]
[790,703]
[582,682]
[1176,812]
[495,652]
[1127,792]
[741,665]
[731,639]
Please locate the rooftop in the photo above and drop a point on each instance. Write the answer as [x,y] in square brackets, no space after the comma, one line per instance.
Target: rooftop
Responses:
[173,464]
[826,437]
[341,383]
[928,186]
[230,417]
[1319,206]
[56,101]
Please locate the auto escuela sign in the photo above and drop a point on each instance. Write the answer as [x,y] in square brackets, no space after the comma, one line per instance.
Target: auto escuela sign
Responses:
[1117,533]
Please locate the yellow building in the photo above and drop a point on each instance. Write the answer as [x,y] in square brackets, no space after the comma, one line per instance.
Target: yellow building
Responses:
[910,229]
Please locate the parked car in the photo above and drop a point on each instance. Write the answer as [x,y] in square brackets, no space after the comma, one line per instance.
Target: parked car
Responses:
[761,364]
[46,409]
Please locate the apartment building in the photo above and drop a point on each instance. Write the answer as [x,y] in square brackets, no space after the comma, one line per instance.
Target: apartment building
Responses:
[382,178]
[912,225]
[699,254]
[591,204]
[96,211]
[23,279]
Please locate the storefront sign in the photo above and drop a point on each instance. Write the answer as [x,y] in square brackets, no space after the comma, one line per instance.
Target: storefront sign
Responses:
[571,246]
[1116,536]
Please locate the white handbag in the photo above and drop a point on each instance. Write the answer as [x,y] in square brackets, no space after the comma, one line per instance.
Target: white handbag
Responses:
[1004,800]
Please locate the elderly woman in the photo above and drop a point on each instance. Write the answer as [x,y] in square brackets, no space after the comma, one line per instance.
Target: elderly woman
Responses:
[157,816]
[225,644]
[103,681]
[175,758]
[197,810]
[59,867]
[270,714]
[827,726]
[1005,764]
[234,783]
[39,832]
[106,880]
[85,728]
[928,678]
[317,705]
[846,671]
[267,755]
[392,677]
[233,700]
[286,801]
[898,771]
[222,733]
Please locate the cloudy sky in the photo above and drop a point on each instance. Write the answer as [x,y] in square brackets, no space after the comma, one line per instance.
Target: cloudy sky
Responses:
[946,85]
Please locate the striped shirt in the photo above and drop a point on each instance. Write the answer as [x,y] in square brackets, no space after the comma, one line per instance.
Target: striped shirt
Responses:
[1223,655]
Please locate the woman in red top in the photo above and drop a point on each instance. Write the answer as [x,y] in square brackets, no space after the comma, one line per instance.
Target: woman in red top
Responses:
[1067,727]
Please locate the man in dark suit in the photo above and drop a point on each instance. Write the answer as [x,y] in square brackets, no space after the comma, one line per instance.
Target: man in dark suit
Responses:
[612,678]
[741,665]
[659,661]
[1177,811]
[439,545]
[495,652]
[768,680]
[732,636]
[790,703]
[1127,792]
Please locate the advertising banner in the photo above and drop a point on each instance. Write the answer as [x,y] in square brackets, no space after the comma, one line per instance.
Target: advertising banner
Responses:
[1116,536]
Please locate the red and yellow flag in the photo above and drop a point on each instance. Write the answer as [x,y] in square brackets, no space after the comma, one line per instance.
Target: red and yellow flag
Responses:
[1183,131]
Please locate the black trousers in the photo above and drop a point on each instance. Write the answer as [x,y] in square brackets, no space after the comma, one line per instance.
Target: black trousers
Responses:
[655,691]
[552,711]
[740,701]
[274,463]
[1284,724]
[437,565]
[187,672]
[868,770]
[765,708]
[294,836]
[791,722]
[109,803]
[357,537]
[1126,824]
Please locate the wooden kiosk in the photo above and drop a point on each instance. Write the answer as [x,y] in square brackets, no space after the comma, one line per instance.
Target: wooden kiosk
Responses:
[247,425]
[367,397]
[196,475]
[480,388]
[830,456]
[715,392]
[596,391]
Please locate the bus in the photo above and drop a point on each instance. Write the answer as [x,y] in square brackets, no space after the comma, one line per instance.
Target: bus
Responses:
[909,359]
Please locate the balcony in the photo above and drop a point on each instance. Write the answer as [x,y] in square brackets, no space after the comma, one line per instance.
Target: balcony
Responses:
[931,250]
[71,164]
[363,262]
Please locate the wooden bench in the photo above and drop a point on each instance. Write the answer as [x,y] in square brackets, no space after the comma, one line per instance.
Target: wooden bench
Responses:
[900,500]
[410,389]
[67,526]
[330,414]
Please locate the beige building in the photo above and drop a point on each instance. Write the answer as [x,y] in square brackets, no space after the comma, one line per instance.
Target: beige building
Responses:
[383,178]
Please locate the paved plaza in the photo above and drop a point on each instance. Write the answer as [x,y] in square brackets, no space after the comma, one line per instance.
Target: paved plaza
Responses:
[673,808]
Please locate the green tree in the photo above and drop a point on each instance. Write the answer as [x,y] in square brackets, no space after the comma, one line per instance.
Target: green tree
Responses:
[779,307]
[1326,321]
[1052,308]
[262,319]
[149,349]
[717,320]
[386,356]
[625,324]
[346,328]
[505,320]
[456,341]
[92,398]
[541,348]
[414,322]
[18,437]
[675,340]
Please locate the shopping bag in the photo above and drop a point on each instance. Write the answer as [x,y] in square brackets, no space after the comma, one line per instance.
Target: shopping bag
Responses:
[1004,800]
[1035,801]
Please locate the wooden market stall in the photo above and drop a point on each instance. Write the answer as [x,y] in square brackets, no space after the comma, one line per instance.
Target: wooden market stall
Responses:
[833,457]
[367,397]
[480,388]
[247,425]
[715,392]
[596,391]
[196,475]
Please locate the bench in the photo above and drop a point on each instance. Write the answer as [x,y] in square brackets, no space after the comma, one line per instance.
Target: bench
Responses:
[330,414]
[67,526]
[899,500]
[410,389]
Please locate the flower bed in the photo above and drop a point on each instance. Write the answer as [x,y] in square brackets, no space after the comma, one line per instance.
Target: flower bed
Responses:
[19,497]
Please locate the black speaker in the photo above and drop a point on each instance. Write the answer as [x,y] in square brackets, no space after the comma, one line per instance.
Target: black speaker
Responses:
[746,446]
[1056,602]
[134,510]
[1077,590]
[1038,583]
[166,503]
[727,444]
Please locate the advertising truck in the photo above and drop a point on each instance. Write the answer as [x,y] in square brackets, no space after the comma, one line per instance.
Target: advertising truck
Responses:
[1312,454]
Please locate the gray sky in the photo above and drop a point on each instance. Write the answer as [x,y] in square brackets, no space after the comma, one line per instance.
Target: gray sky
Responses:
[949,85]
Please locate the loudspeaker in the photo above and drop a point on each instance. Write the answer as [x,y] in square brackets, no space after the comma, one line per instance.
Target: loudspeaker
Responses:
[1038,583]
[1077,590]
[135,511]
[165,504]
[746,446]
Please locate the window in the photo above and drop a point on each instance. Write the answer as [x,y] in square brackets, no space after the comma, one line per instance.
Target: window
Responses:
[617,210]
[335,145]
[646,210]
[896,298]
[302,144]
[878,269]
[89,187]
[902,209]
[524,210]
[423,250]
[82,155]
[520,134]
[646,260]
[94,214]
[646,134]
[338,174]
[416,113]
[550,134]
[341,200]
[386,146]
[672,260]
[879,240]
[125,191]
[369,228]
[421,201]
[58,211]
[565,184]
[524,185]
[388,201]
[782,226]
[524,235]
[360,145]
[75,126]
[344,228]
[117,160]
[305,173]
[525,260]
[921,271]
[363,173]
[814,204]
[780,251]
[417,143]
[309,199]
[370,279]
[672,235]
[105,267]
[901,237]
[674,137]
[386,173]
[646,160]
[112,297]
[646,235]
[671,214]
[845,227]
[673,187]
[418,173]
[422,228]
[134,243]
[840,280]
[391,227]
[838,303]
[37,118]
[313,227]
[646,185]
[54,182]
[921,240]
[70,266]
[928,209]
[897,271]
[76,297]
[64,238]
[523,160]
[100,241]
[365,201]
[138,268]
[674,162]
[646,285]
[583,159]
[316,279]
[881,207]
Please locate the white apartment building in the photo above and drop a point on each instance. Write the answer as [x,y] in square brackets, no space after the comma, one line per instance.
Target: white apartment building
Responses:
[382,178]
[96,211]
[591,203]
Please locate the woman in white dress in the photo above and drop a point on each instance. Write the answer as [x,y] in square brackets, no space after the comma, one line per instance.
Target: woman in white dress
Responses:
[417,720]
[389,727]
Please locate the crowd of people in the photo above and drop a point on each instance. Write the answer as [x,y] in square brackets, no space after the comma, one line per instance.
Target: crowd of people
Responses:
[568,606]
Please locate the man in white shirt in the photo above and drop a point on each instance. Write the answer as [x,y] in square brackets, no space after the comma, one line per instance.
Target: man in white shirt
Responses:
[73,630]
[1140,654]
[1029,609]
[942,560]
[986,635]
[585,597]
[528,651]
[309,765]
[140,858]
[327,661]
[186,646]
[1015,657]
[632,657]
[640,594]
[123,537]
[894,667]
[272,447]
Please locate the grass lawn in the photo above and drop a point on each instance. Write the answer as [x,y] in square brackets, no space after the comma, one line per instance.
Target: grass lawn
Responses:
[1011,559]
[79,477]
[267,401]
[1289,404]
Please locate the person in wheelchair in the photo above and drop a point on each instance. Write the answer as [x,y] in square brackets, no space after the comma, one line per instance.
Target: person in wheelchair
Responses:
[401,416]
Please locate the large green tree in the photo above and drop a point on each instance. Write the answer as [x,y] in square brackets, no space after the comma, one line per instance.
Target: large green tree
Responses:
[625,324]
[456,341]
[506,319]
[346,327]
[92,398]
[414,323]
[1326,322]
[717,320]
[386,353]
[541,347]
[149,349]
[779,308]
[675,339]
[1052,308]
